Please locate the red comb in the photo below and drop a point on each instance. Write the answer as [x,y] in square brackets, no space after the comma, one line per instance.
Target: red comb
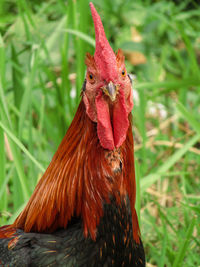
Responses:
[104,56]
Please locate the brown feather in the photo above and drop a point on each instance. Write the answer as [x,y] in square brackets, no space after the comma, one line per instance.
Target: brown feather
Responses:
[78,181]
[7,231]
[120,57]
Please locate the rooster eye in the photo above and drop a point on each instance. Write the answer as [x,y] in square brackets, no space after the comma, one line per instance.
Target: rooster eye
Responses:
[123,73]
[91,77]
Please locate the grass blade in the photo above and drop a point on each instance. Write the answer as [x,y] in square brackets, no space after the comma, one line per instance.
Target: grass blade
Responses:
[27,94]
[82,36]
[21,146]
[189,117]
[185,243]
[148,180]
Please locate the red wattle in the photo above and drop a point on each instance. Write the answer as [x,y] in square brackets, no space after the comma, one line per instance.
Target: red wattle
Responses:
[120,120]
[104,128]
[111,136]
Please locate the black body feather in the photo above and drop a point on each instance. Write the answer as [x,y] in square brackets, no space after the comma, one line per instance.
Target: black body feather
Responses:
[114,245]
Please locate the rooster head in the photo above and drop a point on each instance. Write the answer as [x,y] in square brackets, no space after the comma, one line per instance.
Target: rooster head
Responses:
[107,92]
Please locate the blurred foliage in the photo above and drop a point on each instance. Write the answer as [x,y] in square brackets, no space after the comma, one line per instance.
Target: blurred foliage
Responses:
[42,51]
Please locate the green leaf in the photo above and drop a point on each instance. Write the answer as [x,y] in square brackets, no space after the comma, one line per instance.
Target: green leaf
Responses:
[189,117]
[150,179]
[184,245]
[21,146]
[83,36]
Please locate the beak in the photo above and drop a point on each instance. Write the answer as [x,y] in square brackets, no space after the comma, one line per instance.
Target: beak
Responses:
[111,90]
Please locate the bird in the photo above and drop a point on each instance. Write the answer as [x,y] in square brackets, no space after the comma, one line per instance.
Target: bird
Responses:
[82,211]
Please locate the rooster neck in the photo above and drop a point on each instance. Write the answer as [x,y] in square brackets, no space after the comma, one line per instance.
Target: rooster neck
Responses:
[80,178]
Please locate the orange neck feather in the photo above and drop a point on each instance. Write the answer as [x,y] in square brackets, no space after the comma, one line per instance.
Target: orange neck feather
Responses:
[78,181]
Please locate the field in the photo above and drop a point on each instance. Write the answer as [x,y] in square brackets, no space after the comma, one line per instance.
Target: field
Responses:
[42,52]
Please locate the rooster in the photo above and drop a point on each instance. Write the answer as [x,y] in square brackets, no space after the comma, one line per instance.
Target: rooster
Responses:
[82,211]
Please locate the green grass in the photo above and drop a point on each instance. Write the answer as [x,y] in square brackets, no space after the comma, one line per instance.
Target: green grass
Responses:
[42,50]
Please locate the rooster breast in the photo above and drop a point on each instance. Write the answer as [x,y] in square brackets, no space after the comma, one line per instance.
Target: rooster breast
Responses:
[114,244]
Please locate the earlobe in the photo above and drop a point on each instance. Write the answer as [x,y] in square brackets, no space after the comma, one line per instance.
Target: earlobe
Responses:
[129,102]
[90,111]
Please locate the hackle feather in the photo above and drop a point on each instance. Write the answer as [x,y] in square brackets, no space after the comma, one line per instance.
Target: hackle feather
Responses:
[78,181]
